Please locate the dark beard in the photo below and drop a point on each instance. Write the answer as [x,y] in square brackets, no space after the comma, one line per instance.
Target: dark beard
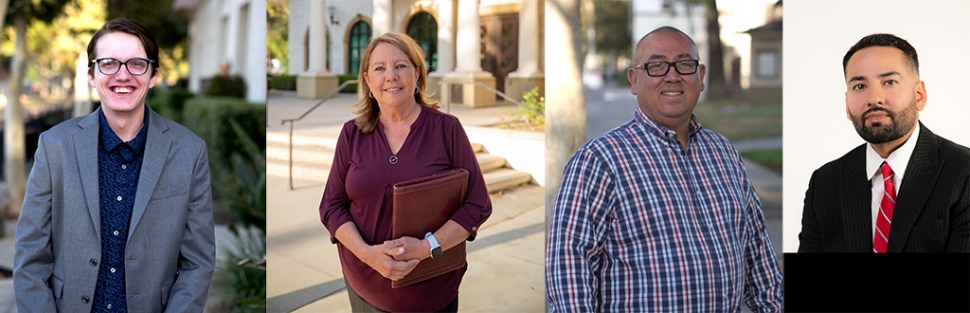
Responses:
[877,133]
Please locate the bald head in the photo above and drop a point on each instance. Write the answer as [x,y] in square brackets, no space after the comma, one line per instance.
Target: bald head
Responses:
[638,58]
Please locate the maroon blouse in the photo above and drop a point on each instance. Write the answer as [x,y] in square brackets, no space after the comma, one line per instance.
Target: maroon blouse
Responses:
[360,187]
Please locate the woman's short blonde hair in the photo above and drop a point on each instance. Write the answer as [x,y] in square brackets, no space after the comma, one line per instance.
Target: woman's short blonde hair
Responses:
[366,107]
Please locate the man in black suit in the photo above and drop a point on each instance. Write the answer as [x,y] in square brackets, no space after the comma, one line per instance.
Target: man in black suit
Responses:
[907,189]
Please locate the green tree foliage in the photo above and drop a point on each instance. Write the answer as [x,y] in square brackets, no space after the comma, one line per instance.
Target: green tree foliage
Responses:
[278,31]
[54,46]
[36,10]
[613,26]
[168,27]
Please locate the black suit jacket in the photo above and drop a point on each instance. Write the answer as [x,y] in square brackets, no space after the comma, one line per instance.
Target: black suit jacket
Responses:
[932,212]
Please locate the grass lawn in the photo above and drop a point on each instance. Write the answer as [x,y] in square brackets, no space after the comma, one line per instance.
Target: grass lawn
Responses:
[739,120]
[769,158]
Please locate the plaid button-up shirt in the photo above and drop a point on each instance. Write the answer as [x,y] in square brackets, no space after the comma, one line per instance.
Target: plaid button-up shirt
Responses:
[642,225]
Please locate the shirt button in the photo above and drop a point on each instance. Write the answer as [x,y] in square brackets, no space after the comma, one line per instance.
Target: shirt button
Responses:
[112,269]
[119,198]
[123,166]
[109,306]
[85,299]
[93,262]
[474,228]
[115,233]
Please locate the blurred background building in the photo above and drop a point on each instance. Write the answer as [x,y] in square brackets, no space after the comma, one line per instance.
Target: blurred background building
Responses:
[495,42]
[226,37]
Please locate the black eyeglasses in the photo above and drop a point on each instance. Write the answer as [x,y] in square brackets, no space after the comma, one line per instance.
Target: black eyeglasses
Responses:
[111,66]
[683,67]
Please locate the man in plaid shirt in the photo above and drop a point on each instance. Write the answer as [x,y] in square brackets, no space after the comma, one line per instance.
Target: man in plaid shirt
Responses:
[658,215]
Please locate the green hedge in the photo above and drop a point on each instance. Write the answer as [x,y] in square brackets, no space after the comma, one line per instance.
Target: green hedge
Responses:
[208,117]
[169,103]
[352,88]
[282,82]
[227,86]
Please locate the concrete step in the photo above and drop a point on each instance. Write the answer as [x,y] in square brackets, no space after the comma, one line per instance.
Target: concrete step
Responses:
[505,178]
[319,156]
[301,170]
[283,137]
[304,154]
[488,162]
[499,179]
[477,147]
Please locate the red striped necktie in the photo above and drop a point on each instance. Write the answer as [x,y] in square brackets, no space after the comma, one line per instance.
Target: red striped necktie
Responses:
[885,217]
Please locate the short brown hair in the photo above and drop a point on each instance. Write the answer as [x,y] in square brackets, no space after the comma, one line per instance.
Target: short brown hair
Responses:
[366,107]
[129,27]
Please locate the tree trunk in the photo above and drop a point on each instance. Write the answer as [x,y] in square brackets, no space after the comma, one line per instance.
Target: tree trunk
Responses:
[82,90]
[565,102]
[13,130]
[716,86]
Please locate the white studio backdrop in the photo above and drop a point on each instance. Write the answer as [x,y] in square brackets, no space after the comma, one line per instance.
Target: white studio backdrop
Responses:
[817,34]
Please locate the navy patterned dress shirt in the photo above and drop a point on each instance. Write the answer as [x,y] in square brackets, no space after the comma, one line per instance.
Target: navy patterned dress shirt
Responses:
[118,166]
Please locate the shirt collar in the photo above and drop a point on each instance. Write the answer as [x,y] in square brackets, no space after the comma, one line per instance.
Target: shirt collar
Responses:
[659,130]
[110,140]
[898,160]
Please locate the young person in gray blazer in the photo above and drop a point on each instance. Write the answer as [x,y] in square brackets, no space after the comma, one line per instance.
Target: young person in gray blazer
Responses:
[118,211]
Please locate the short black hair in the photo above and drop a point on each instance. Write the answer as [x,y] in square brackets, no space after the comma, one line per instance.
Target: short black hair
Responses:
[883,40]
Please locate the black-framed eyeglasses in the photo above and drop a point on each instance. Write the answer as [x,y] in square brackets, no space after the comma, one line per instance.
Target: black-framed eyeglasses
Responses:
[683,67]
[135,66]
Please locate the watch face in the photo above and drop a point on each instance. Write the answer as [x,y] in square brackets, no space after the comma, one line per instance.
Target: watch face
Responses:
[436,253]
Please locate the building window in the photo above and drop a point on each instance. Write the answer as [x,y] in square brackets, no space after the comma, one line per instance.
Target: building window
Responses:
[767,64]
[424,30]
[359,36]
[306,50]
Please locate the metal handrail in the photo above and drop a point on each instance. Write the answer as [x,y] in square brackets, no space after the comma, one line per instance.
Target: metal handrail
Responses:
[293,120]
[344,84]
[493,90]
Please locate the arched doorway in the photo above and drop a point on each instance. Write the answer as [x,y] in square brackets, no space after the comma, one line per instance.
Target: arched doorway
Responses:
[424,30]
[500,46]
[306,50]
[360,35]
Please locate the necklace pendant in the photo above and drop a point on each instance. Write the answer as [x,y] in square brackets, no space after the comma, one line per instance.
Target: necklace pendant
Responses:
[393,159]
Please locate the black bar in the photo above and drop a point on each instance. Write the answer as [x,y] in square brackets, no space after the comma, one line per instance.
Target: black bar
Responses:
[877,283]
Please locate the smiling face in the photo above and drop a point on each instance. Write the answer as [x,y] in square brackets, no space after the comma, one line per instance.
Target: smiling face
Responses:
[669,100]
[390,76]
[883,94]
[121,93]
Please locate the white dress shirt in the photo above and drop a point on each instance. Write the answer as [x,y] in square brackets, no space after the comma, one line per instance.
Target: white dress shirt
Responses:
[898,160]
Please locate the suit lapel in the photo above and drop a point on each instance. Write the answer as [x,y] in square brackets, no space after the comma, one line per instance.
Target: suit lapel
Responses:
[919,180]
[857,202]
[86,150]
[157,145]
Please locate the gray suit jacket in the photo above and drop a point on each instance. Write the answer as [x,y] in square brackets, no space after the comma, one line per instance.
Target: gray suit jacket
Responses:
[170,253]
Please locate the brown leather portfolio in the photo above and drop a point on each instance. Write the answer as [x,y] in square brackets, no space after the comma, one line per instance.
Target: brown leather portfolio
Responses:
[423,205]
